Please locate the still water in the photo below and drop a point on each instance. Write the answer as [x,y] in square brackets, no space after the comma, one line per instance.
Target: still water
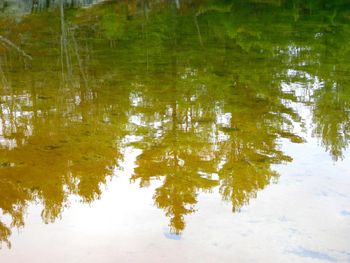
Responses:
[174,131]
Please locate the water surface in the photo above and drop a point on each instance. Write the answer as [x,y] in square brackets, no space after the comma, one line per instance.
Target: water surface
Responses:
[155,132]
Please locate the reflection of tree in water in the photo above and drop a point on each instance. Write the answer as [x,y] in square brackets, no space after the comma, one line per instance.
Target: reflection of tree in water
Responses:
[312,45]
[319,70]
[69,151]
[331,110]
[205,121]
[258,119]
[181,156]
[198,138]
[57,139]
[332,120]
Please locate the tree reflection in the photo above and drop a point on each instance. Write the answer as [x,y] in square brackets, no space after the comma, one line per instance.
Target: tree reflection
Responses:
[201,84]
[53,152]
[57,137]
[332,120]
[178,152]
[198,138]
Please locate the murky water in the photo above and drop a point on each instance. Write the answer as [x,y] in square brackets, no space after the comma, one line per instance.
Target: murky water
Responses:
[175,131]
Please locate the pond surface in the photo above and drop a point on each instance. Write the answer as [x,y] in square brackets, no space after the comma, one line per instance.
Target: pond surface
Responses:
[175,131]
